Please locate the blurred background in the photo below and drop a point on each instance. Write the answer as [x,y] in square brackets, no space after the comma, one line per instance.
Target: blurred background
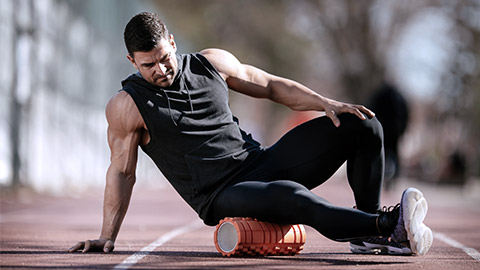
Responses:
[415,62]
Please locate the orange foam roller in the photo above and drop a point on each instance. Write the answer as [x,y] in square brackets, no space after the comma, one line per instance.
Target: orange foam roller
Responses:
[249,237]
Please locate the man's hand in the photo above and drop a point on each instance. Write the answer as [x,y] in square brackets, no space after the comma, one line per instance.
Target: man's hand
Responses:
[334,108]
[104,245]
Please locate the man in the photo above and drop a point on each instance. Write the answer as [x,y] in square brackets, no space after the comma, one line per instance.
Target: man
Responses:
[176,109]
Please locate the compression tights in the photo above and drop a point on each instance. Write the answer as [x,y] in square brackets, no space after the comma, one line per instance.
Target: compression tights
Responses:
[276,187]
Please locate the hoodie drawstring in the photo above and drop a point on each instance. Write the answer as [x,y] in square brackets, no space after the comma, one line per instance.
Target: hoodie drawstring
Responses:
[189,100]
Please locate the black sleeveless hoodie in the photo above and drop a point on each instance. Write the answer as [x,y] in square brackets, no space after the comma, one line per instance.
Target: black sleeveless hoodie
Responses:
[195,140]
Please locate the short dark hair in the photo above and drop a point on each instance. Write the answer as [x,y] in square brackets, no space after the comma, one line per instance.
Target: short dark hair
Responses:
[143,32]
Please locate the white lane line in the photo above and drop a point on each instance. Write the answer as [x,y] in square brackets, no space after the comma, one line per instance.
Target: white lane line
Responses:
[449,241]
[137,256]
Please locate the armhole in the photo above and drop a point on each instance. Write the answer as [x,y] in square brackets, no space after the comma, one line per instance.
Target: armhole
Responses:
[210,68]
[139,105]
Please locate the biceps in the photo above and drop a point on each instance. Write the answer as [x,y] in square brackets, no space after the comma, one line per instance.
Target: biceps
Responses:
[251,81]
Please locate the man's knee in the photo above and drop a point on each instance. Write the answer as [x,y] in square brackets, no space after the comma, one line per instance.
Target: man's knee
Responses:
[370,126]
[374,126]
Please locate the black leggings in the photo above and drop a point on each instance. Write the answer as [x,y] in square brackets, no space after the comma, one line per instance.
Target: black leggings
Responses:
[276,187]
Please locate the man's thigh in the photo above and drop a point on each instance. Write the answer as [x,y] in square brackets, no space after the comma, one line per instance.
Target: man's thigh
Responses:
[275,201]
[308,154]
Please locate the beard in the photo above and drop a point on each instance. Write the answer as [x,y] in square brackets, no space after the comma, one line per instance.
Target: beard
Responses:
[164,80]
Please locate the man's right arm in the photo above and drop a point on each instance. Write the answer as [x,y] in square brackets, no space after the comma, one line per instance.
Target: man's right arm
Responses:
[125,126]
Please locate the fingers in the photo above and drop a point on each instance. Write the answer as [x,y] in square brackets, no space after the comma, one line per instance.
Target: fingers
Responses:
[109,246]
[77,247]
[358,110]
[333,116]
[365,110]
[86,248]
[93,245]
[335,121]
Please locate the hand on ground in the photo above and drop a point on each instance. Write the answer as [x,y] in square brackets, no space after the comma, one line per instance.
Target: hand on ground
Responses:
[104,245]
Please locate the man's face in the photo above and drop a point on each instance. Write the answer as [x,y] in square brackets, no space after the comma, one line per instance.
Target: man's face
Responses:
[158,66]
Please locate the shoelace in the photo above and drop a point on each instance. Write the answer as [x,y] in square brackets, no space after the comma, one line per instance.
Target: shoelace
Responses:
[389,209]
[385,209]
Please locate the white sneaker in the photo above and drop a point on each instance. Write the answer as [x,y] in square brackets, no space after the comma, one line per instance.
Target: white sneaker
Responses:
[410,227]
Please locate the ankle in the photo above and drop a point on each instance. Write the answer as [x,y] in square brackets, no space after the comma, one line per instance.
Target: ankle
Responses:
[387,220]
[384,226]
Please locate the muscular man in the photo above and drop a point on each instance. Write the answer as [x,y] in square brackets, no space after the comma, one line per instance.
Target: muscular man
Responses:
[176,109]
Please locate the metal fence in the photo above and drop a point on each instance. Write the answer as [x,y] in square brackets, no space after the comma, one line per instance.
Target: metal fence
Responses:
[57,73]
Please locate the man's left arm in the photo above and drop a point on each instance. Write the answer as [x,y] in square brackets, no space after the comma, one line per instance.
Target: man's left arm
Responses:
[257,83]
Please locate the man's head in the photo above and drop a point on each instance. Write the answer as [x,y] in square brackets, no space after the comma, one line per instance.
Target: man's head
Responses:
[151,49]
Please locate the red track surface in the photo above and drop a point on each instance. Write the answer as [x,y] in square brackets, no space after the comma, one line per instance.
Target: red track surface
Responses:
[37,230]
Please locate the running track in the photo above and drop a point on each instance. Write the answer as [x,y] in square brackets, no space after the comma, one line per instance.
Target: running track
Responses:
[161,232]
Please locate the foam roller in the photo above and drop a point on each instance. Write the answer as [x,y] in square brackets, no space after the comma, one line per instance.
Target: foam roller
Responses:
[249,237]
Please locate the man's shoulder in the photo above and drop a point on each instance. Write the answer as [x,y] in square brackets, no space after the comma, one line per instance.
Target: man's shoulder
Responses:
[121,111]
[120,104]
[224,62]
[214,55]
[119,100]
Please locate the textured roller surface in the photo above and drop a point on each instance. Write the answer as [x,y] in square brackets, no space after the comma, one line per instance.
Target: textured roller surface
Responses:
[249,237]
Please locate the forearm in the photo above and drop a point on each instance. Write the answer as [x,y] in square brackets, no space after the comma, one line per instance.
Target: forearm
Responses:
[295,95]
[300,98]
[118,191]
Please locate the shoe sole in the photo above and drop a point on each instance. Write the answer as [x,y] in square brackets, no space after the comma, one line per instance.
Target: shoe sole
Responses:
[382,249]
[414,208]
[379,250]
[357,249]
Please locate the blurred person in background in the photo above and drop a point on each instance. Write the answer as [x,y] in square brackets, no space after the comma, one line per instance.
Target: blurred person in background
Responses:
[176,109]
[391,109]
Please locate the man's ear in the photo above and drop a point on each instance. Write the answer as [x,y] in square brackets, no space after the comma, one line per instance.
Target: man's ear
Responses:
[171,40]
[129,57]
